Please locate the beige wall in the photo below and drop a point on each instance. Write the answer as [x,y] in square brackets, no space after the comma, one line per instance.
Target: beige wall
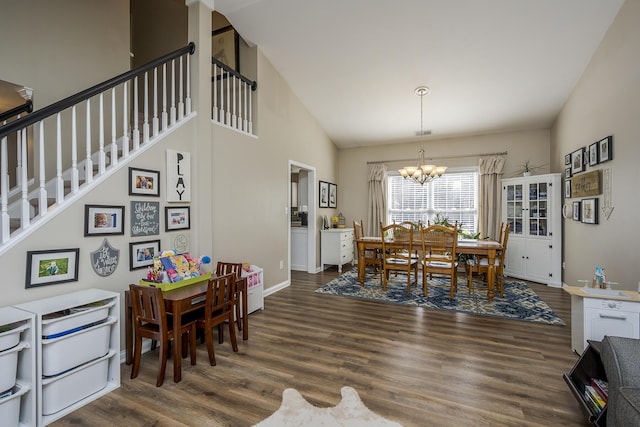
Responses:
[353,171]
[606,101]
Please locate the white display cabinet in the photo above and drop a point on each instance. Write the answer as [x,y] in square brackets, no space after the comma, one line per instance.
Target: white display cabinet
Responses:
[531,206]
[17,368]
[77,350]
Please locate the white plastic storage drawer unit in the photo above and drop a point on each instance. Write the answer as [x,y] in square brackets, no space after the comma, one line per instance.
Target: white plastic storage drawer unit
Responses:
[255,288]
[17,368]
[78,347]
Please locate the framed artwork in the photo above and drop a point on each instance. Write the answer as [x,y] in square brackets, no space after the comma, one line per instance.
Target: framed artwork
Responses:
[593,154]
[225,47]
[567,173]
[102,220]
[177,218]
[567,189]
[141,253]
[567,159]
[323,191]
[144,182]
[577,162]
[576,211]
[333,195]
[145,218]
[605,149]
[52,266]
[589,211]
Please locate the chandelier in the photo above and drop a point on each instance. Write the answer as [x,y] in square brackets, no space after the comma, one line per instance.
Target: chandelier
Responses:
[422,172]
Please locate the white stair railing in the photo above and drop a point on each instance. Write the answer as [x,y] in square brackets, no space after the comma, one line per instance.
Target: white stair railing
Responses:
[232,98]
[47,172]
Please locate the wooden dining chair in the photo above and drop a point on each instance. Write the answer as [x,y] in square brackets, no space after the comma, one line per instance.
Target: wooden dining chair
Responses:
[218,309]
[397,250]
[439,255]
[222,268]
[481,265]
[372,257]
[150,321]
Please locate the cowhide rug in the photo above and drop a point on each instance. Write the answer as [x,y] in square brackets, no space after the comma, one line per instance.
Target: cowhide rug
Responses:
[295,411]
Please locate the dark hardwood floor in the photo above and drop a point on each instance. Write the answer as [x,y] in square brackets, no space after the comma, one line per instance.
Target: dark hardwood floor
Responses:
[416,366]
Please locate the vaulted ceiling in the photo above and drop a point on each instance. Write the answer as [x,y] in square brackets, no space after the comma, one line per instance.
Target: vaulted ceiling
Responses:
[491,65]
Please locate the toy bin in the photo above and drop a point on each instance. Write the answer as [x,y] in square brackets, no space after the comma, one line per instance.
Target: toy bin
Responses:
[10,405]
[70,350]
[10,335]
[57,323]
[73,386]
[9,367]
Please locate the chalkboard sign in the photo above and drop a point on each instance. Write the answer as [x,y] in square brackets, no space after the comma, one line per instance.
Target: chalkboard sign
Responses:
[105,259]
[145,218]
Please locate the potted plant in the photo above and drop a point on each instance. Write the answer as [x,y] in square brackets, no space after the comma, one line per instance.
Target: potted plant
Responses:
[527,169]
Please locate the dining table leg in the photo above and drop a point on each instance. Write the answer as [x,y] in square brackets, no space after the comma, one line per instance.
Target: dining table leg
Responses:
[177,343]
[245,313]
[128,328]
[361,266]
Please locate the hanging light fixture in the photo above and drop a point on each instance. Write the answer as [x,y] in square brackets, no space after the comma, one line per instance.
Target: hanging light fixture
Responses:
[422,172]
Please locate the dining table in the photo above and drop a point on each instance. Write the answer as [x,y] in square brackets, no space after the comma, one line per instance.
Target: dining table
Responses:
[484,248]
[177,302]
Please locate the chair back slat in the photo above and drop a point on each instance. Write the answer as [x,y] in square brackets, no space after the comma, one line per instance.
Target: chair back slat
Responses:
[220,295]
[148,306]
[223,268]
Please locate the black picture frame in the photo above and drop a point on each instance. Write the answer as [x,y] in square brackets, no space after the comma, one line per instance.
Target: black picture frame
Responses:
[141,253]
[567,173]
[225,47]
[589,211]
[103,220]
[594,158]
[567,159]
[144,182]
[177,218]
[605,149]
[577,161]
[323,194]
[50,267]
[576,211]
[333,195]
[567,189]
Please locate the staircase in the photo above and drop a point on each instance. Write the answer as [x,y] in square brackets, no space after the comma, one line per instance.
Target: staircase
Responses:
[43,174]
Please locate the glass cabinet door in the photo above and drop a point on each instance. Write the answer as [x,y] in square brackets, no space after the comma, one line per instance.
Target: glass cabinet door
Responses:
[514,207]
[538,209]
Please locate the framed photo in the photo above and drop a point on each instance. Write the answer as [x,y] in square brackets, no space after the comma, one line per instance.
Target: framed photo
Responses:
[605,151]
[567,159]
[101,220]
[593,154]
[324,194]
[141,253]
[333,195]
[144,182]
[577,162]
[589,211]
[177,218]
[567,189]
[567,173]
[225,47]
[51,267]
[576,211]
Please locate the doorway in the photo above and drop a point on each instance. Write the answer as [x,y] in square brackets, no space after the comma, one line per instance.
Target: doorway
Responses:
[302,223]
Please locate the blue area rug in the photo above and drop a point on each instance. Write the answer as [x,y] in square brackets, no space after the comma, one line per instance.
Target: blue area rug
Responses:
[520,302]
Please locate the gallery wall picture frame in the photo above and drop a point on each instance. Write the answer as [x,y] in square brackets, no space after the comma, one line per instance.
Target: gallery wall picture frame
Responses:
[577,161]
[145,218]
[323,194]
[144,182]
[567,189]
[567,159]
[333,195]
[605,150]
[141,253]
[102,220]
[594,149]
[567,173]
[589,211]
[177,218]
[50,267]
[576,211]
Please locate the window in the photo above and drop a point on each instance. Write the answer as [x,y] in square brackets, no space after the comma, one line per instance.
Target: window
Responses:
[454,195]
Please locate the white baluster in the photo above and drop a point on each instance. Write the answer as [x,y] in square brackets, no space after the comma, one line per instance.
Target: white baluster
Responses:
[172,111]
[244,122]
[165,115]
[59,181]
[250,113]
[234,121]
[18,159]
[42,185]
[125,120]
[145,123]
[156,121]
[214,112]
[74,153]
[102,157]
[188,85]
[222,114]
[136,113]
[180,97]
[88,168]
[114,140]
[227,118]
[24,181]
[4,185]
